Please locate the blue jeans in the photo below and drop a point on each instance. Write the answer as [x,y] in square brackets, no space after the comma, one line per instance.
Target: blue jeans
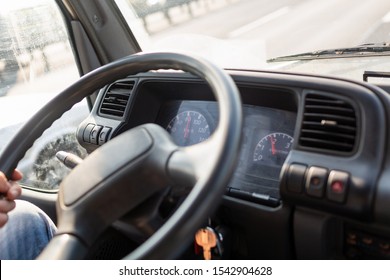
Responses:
[26,233]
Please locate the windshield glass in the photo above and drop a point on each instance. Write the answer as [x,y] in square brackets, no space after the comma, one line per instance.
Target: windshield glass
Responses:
[247,33]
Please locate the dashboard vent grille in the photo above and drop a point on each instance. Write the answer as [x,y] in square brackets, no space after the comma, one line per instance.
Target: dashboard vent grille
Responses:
[328,124]
[116,98]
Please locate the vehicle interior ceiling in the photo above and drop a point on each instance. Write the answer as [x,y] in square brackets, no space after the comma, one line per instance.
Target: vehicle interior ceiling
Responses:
[323,195]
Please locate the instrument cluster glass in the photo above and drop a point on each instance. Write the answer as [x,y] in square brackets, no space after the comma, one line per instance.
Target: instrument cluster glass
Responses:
[267,139]
[189,128]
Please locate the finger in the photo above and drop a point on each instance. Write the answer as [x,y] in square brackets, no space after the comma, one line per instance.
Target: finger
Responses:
[14,191]
[16,175]
[6,206]
[4,185]
[3,219]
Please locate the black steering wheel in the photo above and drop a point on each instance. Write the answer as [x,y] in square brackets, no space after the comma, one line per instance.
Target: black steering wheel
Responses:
[136,166]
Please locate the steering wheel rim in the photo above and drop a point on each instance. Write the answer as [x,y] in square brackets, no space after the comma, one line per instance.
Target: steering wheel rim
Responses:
[209,182]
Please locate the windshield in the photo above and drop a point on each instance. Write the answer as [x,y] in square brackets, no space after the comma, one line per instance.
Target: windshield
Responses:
[247,33]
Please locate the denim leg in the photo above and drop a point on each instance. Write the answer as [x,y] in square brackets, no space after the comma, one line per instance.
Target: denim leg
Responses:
[26,233]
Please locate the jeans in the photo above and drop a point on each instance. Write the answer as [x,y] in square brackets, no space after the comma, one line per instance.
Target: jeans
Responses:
[26,233]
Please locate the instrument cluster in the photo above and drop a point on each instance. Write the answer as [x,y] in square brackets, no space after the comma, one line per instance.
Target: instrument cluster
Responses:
[267,140]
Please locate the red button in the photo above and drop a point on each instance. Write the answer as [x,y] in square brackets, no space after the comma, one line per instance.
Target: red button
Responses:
[337,187]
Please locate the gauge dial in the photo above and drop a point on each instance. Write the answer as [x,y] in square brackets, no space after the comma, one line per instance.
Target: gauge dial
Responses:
[273,149]
[188,128]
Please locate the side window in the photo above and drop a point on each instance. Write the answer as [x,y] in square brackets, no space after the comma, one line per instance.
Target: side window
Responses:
[34,46]
[36,63]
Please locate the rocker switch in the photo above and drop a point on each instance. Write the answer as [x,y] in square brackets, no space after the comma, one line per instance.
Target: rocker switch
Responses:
[296,177]
[94,137]
[87,133]
[103,136]
[337,186]
[316,181]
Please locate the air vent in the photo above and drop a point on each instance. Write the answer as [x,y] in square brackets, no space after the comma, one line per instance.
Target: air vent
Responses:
[328,124]
[116,98]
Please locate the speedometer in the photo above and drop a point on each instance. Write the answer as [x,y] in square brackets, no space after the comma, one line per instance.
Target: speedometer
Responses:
[273,149]
[188,128]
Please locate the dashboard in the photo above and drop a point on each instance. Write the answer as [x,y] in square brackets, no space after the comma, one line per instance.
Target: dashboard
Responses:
[311,180]
[186,109]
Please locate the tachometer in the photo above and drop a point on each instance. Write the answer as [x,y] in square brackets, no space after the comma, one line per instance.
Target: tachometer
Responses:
[189,128]
[273,149]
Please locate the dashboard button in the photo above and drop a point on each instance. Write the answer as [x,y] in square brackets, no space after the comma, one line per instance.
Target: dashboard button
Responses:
[316,181]
[95,134]
[103,136]
[295,177]
[337,186]
[87,133]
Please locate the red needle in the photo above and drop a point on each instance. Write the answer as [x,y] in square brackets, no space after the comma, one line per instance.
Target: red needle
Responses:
[273,149]
[187,129]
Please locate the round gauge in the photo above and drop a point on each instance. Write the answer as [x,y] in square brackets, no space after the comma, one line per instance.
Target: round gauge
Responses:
[188,128]
[273,149]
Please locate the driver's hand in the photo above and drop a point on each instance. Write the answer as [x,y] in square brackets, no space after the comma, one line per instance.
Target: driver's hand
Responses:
[10,191]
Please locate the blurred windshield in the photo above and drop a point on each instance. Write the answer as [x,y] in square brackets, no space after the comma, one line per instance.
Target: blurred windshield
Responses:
[32,35]
[246,33]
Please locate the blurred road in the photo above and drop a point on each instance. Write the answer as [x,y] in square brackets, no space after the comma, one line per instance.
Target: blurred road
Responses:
[284,26]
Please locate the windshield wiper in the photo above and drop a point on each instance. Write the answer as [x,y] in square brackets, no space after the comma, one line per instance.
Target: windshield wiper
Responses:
[358,51]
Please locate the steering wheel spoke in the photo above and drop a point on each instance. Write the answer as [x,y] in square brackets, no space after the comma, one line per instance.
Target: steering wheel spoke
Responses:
[145,220]
[188,164]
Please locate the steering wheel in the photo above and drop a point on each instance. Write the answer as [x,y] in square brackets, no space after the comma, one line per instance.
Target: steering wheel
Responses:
[138,165]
